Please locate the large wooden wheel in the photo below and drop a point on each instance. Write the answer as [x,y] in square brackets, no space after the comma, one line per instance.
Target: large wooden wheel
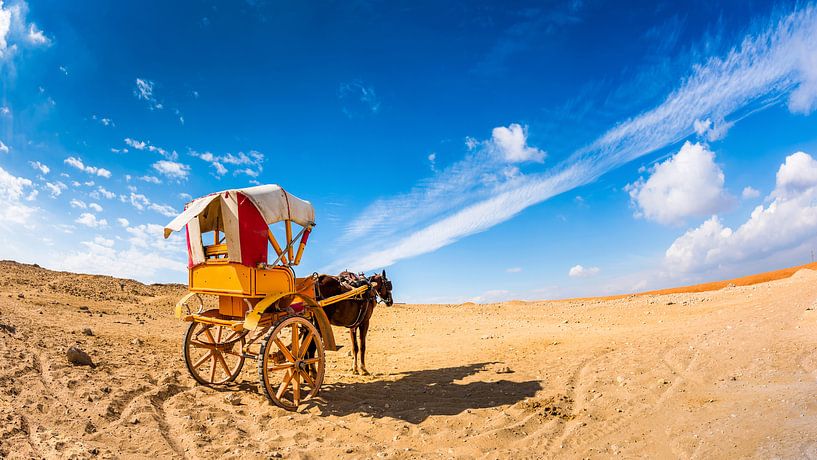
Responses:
[291,362]
[213,354]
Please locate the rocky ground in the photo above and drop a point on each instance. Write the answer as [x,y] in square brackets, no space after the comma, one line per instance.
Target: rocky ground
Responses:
[727,373]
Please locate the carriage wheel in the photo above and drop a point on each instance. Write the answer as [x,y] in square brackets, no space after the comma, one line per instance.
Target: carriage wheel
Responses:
[213,354]
[291,362]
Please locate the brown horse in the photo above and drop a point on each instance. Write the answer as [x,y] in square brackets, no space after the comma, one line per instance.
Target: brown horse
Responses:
[355,313]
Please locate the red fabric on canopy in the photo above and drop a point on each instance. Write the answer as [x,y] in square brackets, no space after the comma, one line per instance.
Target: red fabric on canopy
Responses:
[253,230]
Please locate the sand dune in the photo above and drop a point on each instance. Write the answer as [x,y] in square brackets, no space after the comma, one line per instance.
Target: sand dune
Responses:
[727,373]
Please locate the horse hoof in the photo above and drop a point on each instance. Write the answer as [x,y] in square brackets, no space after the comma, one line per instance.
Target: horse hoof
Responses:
[364,372]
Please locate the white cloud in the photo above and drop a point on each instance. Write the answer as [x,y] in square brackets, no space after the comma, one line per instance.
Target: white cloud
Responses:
[749,193]
[95,206]
[790,219]
[104,121]
[102,191]
[4,148]
[579,271]
[138,145]
[40,167]
[75,203]
[141,202]
[146,256]
[5,26]
[796,175]
[769,66]
[163,209]
[146,145]
[710,130]
[685,185]
[172,169]
[55,188]
[93,170]
[5,111]
[89,220]
[16,30]
[123,222]
[358,99]
[35,36]
[512,144]
[12,191]
[514,270]
[144,91]
[150,179]
[253,159]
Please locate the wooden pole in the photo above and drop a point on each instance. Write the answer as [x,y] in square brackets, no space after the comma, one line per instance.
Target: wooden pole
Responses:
[276,246]
[290,249]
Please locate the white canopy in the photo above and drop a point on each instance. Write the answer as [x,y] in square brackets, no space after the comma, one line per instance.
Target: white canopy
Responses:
[274,203]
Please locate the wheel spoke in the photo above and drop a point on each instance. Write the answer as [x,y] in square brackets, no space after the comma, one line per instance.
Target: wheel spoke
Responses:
[295,339]
[311,360]
[308,379]
[208,346]
[201,361]
[305,345]
[213,368]
[280,367]
[284,384]
[284,350]
[296,388]
[223,363]
[210,336]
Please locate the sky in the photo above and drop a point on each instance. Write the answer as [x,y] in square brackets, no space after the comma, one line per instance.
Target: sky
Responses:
[476,151]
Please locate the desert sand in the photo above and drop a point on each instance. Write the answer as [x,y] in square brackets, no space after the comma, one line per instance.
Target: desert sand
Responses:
[717,374]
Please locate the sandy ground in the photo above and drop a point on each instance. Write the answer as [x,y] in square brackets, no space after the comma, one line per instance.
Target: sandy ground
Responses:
[721,374]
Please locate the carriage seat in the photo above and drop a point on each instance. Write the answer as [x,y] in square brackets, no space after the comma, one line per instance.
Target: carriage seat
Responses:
[214,251]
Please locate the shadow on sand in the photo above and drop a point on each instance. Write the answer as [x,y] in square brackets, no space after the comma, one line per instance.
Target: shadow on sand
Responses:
[417,395]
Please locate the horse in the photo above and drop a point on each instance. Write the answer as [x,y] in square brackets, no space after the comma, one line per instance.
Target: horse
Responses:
[355,313]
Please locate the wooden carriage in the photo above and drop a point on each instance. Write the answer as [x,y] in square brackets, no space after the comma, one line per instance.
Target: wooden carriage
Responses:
[264,311]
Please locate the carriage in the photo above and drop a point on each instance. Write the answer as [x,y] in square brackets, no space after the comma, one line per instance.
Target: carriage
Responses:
[264,311]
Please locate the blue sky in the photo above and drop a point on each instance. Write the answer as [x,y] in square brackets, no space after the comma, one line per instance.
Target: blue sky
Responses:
[478,150]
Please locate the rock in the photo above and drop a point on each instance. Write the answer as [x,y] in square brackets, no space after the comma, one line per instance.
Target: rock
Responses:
[233,399]
[276,455]
[87,331]
[21,296]
[134,420]
[90,428]
[78,357]
[84,308]
[137,342]
[504,370]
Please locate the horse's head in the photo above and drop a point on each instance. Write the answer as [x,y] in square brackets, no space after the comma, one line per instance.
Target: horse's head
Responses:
[383,288]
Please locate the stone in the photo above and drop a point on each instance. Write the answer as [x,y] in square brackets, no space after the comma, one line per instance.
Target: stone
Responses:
[78,357]
[87,331]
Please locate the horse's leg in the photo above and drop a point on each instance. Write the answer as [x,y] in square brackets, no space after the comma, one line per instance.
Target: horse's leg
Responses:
[364,329]
[354,346]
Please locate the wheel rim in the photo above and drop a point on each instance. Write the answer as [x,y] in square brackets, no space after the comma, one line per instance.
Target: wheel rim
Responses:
[290,372]
[213,354]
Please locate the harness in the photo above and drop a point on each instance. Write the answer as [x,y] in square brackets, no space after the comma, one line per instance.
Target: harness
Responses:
[348,281]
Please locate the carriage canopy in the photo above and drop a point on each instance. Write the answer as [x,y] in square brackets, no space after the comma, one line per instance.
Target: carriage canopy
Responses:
[242,216]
